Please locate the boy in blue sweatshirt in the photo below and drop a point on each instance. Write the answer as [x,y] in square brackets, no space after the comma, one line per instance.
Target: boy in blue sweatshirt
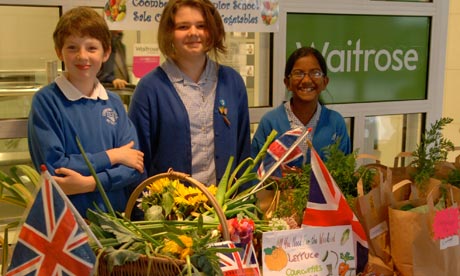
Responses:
[77,105]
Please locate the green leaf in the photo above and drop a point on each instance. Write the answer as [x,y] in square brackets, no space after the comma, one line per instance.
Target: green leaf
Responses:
[120,257]
[167,203]
[222,187]
[432,149]
[112,225]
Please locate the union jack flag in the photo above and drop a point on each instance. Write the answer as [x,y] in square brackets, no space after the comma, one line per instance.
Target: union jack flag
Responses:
[327,206]
[238,263]
[278,148]
[51,242]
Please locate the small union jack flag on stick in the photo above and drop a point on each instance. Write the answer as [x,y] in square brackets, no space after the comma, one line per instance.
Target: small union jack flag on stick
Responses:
[242,262]
[283,151]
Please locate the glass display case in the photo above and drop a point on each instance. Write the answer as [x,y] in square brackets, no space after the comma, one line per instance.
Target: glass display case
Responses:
[27,62]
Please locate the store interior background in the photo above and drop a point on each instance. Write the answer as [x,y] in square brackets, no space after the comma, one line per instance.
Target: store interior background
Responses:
[452,76]
[12,43]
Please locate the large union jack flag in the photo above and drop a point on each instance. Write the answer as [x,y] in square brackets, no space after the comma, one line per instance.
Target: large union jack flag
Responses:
[242,262]
[278,148]
[327,206]
[51,241]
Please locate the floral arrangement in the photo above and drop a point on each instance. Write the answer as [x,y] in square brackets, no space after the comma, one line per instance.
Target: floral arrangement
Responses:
[170,199]
[179,222]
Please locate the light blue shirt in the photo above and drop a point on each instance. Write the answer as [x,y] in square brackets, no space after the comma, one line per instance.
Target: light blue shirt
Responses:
[198,99]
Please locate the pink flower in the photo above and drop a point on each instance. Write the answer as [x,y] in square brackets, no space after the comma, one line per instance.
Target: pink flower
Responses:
[241,231]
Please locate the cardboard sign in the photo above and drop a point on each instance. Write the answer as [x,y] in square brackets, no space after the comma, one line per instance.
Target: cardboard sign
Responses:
[309,251]
[446,222]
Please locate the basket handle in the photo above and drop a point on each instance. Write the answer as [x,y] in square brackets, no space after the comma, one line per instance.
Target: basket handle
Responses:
[181,176]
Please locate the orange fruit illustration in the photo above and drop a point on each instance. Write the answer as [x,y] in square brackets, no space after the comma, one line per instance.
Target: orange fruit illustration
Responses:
[275,258]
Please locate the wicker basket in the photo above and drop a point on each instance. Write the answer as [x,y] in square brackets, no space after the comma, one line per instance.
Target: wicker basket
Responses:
[160,266]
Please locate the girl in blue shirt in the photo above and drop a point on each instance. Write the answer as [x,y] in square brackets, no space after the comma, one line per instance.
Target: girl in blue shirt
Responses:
[305,76]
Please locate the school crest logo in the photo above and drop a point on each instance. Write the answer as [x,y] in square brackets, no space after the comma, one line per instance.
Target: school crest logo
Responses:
[110,115]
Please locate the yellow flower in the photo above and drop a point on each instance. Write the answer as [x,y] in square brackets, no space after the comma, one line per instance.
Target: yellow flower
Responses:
[188,242]
[158,186]
[186,199]
[212,189]
[188,196]
[186,252]
[172,247]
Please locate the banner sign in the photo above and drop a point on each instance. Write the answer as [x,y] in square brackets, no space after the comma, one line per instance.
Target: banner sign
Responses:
[237,15]
[370,58]
[309,251]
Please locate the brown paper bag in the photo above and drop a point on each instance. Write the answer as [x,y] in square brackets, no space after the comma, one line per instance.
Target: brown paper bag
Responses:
[413,250]
[400,172]
[372,211]
[267,201]
[442,170]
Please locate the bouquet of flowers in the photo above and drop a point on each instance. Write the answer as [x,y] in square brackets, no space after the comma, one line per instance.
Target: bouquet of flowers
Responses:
[181,222]
[170,199]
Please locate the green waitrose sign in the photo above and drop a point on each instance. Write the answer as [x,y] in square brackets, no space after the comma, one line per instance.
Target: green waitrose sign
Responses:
[370,58]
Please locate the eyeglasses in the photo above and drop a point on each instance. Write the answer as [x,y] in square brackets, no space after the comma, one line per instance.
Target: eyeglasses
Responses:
[313,74]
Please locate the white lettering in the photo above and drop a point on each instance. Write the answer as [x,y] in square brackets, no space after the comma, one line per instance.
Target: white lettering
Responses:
[378,58]
[356,59]
[411,55]
[397,59]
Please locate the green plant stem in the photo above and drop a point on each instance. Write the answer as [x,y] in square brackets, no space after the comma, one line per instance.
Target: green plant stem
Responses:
[98,182]
[249,174]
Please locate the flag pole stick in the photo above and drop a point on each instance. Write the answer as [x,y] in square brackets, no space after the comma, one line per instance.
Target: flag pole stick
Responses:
[77,215]
[283,157]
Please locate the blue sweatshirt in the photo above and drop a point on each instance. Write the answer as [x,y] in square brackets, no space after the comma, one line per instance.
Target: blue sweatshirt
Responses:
[331,126]
[54,124]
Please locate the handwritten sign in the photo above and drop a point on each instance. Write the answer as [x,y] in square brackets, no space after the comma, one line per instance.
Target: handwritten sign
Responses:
[309,251]
[446,223]
[238,16]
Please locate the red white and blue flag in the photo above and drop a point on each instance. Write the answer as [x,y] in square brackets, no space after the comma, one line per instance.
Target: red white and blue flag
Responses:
[327,206]
[278,148]
[242,262]
[51,242]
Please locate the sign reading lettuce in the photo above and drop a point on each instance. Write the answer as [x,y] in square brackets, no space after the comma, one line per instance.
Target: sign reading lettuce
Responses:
[370,58]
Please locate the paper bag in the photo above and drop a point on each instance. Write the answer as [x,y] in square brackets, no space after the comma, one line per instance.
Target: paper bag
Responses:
[267,201]
[413,249]
[401,172]
[372,211]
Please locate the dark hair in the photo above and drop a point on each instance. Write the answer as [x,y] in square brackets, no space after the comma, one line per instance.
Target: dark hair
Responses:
[303,52]
[213,22]
[82,21]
